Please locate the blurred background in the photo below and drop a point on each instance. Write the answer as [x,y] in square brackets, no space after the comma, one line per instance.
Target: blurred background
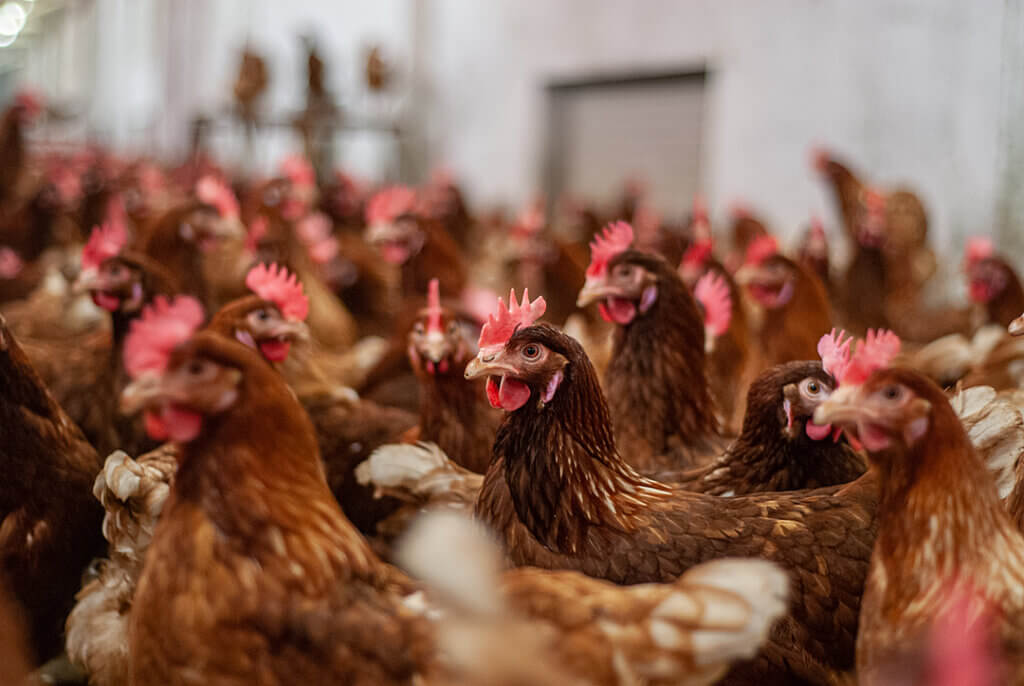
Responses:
[517,98]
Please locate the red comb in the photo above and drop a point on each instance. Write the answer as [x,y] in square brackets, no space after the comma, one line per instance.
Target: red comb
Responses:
[161,328]
[30,101]
[434,306]
[978,248]
[834,351]
[389,204]
[615,239]
[873,199]
[276,284]
[760,249]
[298,170]
[697,253]
[501,325]
[104,242]
[212,191]
[873,353]
[712,292]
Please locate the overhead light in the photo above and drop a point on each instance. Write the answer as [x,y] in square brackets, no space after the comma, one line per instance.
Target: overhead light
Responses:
[12,19]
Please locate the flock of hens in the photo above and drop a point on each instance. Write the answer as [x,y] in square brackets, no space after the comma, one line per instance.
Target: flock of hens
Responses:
[283,431]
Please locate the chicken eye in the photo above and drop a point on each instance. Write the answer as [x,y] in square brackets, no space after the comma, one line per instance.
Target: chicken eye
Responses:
[892,392]
[418,328]
[195,368]
[453,328]
[262,315]
[813,388]
[625,270]
[531,351]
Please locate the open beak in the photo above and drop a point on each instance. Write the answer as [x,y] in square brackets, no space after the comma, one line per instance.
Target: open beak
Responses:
[594,289]
[435,347]
[1016,327]
[488,365]
[843,407]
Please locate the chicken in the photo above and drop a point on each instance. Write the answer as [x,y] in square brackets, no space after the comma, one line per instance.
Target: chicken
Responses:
[992,283]
[794,304]
[250,533]
[133,493]
[348,428]
[530,626]
[291,592]
[419,247]
[121,282]
[733,362]
[559,495]
[49,522]
[780,447]
[890,260]
[813,253]
[656,381]
[943,532]
[452,412]
[180,237]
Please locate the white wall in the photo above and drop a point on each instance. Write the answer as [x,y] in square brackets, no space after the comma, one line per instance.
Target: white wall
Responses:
[907,90]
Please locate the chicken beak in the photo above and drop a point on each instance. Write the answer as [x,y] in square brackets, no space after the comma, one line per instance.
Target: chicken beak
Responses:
[88,280]
[1016,327]
[296,330]
[379,232]
[435,347]
[594,289]
[141,393]
[230,228]
[745,275]
[488,364]
[843,407]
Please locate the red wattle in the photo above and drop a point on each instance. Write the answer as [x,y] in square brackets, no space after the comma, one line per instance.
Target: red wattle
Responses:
[275,351]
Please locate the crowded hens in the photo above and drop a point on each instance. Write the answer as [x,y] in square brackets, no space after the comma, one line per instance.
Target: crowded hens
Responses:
[284,431]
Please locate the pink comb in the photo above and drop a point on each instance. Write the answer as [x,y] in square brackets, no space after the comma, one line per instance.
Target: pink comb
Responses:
[873,199]
[875,352]
[298,170]
[712,292]
[500,326]
[978,248]
[760,249]
[531,219]
[389,204]
[434,306]
[104,242]
[212,191]
[314,228]
[161,328]
[277,285]
[258,229]
[700,208]
[615,239]
[819,158]
[834,351]
[817,227]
